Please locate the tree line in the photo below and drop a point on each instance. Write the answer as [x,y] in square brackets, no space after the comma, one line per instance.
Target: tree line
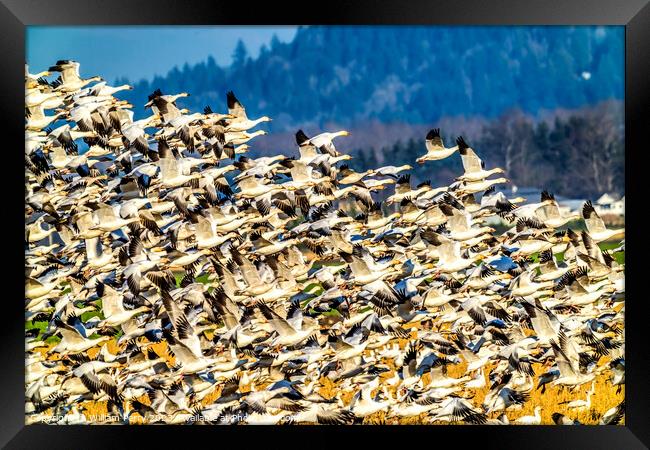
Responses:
[576,155]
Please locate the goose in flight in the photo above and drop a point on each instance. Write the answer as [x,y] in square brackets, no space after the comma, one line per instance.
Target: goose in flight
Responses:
[460,223]
[473,165]
[37,119]
[70,79]
[74,339]
[436,149]
[524,286]
[290,331]
[472,187]
[614,415]
[318,413]
[568,361]
[47,99]
[323,142]
[549,268]
[165,105]
[451,259]
[114,312]
[33,80]
[455,409]
[544,322]
[102,89]
[363,404]
[596,227]
[549,212]
[239,121]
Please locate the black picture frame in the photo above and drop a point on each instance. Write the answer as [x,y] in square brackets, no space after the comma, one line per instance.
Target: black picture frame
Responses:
[634,15]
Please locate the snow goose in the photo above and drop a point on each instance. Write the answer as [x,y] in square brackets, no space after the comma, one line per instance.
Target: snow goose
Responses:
[364,405]
[561,419]
[290,331]
[477,381]
[403,190]
[568,362]
[48,100]
[508,210]
[545,323]
[523,286]
[450,260]
[502,397]
[596,226]
[322,141]
[37,119]
[113,309]
[460,224]
[102,89]
[33,80]
[549,214]
[91,375]
[36,290]
[435,147]
[264,401]
[439,378]
[618,372]
[107,221]
[134,131]
[165,105]
[67,135]
[549,268]
[581,405]
[351,345]
[473,165]
[472,187]
[535,419]
[456,409]
[413,404]
[614,415]
[70,80]
[321,414]
[74,339]
[364,269]
[170,173]
[349,176]
[391,171]
[482,277]
[240,122]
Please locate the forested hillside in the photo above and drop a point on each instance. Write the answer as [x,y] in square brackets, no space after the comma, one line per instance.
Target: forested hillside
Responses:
[410,74]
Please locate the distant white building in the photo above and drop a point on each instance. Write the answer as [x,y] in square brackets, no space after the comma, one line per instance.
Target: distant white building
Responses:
[608,204]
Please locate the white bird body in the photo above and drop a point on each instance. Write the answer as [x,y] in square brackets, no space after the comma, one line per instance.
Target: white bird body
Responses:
[530,420]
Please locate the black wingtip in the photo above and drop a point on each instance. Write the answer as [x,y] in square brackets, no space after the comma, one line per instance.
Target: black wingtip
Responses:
[547,196]
[232,100]
[460,141]
[301,137]
[154,94]
[404,179]
[588,209]
[433,133]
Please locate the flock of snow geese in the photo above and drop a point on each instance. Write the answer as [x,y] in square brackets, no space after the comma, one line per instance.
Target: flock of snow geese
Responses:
[177,280]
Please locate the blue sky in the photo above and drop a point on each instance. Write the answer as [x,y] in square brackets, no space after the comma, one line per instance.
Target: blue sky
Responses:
[144,51]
